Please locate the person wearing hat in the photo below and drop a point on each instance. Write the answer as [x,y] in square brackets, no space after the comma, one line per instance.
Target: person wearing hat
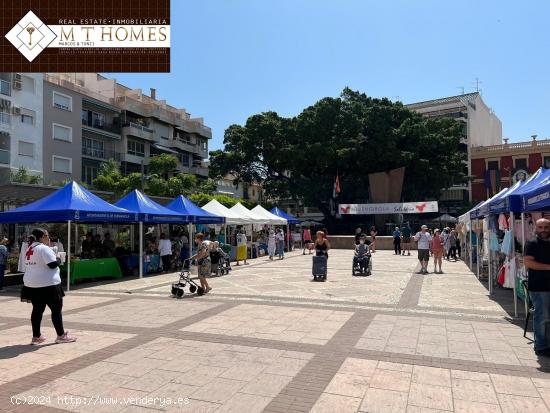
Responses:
[424,240]
[4,253]
[271,244]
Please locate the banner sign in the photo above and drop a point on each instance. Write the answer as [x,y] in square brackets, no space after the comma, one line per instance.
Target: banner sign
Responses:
[85,36]
[395,208]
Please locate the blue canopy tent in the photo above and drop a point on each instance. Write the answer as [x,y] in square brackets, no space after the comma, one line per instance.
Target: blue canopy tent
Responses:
[536,197]
[501,203]
[71,203]
[147,210]
[482,210]
[292,220]
[196,214]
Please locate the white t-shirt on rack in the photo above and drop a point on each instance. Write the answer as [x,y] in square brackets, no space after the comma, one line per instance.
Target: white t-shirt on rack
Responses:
[37,272]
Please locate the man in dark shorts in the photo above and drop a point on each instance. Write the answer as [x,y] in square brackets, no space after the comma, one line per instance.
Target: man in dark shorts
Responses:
[537,262]
[424,240]
[406,234]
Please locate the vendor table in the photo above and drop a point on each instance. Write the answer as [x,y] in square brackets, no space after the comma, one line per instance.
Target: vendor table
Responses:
[94,268]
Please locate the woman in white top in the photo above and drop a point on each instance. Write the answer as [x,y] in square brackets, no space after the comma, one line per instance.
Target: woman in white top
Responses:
[165,249]
[42,287]
[280,237]
[271,244]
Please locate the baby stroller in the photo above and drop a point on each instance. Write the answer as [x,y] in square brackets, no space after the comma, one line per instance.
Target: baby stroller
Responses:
[186,281]
[362,265]
[219,261]
[319,269]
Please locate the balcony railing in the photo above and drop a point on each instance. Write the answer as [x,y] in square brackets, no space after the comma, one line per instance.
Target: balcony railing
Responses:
[140,127]
[4,156]
[511,146]
[108,127]
[101,153]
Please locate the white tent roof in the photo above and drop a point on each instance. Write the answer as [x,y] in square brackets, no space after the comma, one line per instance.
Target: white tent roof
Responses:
[241,211]
[232,218]
[268,216]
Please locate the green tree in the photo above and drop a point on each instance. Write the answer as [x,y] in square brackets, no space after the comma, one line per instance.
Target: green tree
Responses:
[208,186]
[162,164]
[352,135]
[24,177]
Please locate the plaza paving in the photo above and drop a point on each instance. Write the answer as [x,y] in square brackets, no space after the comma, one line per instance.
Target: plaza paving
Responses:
[268,338]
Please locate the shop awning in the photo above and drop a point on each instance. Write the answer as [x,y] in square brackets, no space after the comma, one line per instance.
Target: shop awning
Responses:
[537,196]
[73,202]
[147,210]
[197,215]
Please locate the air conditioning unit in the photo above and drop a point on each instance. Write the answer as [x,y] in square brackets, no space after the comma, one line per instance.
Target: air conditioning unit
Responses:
[17,85]
[16,110]
[17,77]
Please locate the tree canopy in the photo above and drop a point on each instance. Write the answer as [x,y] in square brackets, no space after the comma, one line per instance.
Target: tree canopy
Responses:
[352,135]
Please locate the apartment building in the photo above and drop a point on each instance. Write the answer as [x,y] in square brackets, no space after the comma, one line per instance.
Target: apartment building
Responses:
[506,163]
[481,128]
[21,142]
[92,119]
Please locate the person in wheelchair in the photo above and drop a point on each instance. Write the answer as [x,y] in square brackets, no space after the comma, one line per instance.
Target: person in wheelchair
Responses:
[362,254]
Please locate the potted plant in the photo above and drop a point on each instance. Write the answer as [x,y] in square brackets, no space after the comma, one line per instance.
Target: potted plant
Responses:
[13,264]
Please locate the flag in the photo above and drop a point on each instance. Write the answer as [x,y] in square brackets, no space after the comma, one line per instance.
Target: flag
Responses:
[492,181]
[336,190]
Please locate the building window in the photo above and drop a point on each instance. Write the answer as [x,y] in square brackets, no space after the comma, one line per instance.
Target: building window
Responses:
[93,147]
[89,174]
[28,119]
[5,117]
[62,133]
[5,87]
[492,166]
[521,163]
[61,101]
[26,149]
[61,164]
[28,84]
[185,159]
[546,162]
[136,148]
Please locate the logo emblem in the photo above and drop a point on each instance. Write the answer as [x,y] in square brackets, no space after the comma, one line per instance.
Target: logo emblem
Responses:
[30,36]
[421,207]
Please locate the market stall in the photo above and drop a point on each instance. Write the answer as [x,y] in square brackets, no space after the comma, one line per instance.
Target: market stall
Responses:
[71,203]
[196,215]
[145,210]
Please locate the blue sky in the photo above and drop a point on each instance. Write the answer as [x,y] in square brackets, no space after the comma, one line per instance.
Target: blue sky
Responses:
[235,58]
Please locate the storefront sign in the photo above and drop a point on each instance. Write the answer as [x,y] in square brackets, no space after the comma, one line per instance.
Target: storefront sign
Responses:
[395,208]
[84,36]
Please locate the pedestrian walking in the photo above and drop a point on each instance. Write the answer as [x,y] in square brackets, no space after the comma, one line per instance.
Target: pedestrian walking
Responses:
[406,233]
[397,241]
[537,262]
[373,234]
[42,287]
[446,242]
[452,245]
[437,250]
[271,244]
[242,247]
[4,254]
[280,237]
[321,244]
[424,239]
[165,250]
[202,258]
[307,241]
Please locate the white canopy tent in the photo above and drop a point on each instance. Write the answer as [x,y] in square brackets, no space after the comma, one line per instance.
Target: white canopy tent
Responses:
[269,218]
[241,211]
[231,217]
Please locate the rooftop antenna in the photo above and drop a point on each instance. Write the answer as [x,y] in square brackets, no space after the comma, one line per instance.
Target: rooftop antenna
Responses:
[478,83]
[461,89]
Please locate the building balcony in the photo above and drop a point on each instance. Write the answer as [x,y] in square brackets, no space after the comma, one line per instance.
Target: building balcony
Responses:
[139,131]
[184,146]
[198,128]
[101,154]
[106,129]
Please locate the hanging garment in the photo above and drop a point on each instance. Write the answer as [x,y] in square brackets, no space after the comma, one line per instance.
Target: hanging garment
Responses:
[502,273]
[493,222]
[510,275]
[493,242]
[502,222]
[507,243]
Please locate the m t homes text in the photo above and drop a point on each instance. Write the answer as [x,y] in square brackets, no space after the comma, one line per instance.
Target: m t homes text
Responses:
[61,36]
